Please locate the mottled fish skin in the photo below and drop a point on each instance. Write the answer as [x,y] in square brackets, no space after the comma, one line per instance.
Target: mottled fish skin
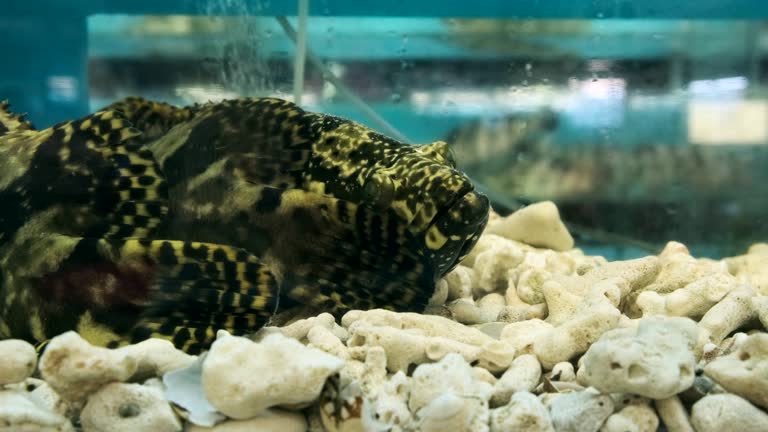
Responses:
[263,206]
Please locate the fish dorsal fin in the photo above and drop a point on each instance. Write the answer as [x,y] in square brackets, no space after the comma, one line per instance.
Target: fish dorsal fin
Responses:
[10,122]
[152,118]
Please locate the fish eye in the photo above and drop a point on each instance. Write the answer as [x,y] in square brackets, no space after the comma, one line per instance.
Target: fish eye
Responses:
[379,190]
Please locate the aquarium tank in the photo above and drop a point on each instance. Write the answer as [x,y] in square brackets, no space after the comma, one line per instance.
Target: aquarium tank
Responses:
[418,215]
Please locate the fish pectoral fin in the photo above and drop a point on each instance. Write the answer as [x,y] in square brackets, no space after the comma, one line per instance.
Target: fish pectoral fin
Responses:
[11,122]
[177,290]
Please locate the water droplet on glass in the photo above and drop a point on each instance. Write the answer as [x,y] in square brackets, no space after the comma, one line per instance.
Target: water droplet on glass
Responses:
[396,97]
[268,33]
[528,66]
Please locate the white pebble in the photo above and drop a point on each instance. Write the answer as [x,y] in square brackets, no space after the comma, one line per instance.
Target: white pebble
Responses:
[121,407]
[632,418]
[583,411]
[18,361]
[727,412]
[241,378]
[524,412]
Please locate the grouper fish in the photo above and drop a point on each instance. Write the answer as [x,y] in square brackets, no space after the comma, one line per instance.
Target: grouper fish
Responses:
[146,219]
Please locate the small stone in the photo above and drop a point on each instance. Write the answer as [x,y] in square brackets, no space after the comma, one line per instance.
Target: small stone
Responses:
[74,368]
[583,411]
[632,418]
[121,407]
[727,412]
[241,378]
[524,412]
[744,371]
[18,360]
[20,412]
[655,360]
[538,225]
[271,420]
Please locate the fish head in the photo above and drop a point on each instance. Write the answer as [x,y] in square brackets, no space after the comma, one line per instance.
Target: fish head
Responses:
[433,203]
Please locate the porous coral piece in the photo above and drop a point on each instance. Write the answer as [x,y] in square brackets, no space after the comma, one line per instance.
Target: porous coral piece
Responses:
[583,411]
[679,268]
[452,412]
[299,329]
[386,407]
[727,412]
[732,312]
[43,395]
[20,412]
[452,375]
[745,370]
[760,307]
[241,378]
[405,347]
[692,300]
[632,418]
[538,224]
[271,420]
[750,268]
[573,337]
[461,282]
[121,407]
[156,357]
[491,266]
[523,334]
[490,306]
[637,273]
[655,360]
[324,339]
[523,374]
[18,360]
[673,414]
[524,412]
[562,371]
[75,369]
[429,325]
[529,285]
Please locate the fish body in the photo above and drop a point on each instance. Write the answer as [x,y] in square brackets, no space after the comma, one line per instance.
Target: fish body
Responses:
[150,220]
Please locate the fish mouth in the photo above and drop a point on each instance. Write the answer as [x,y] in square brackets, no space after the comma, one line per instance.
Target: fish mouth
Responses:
[455,229]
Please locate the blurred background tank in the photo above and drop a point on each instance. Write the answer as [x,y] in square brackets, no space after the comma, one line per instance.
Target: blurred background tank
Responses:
[644,120]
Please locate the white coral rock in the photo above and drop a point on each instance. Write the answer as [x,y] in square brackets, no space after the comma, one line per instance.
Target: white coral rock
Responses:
[576,335]
[673,414]
[451,374]
[751,269]
[524,412]
[242,378]
[538,224]
[523,374]
[18,360]
[732,312]
[655,360]
[445,396]
[121,407]
[744,371]
[452,412]
[20,412]
[632,418]
[156,357]
[583,411]
[271,420]
[727,412]
[74,368]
